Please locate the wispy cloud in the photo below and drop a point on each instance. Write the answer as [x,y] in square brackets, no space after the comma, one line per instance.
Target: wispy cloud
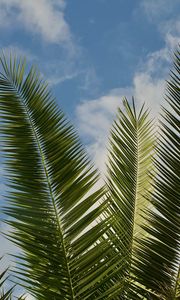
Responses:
[60,78]
[159,9]
[95,116]
[42,17]
[46,19]
[165,15]
[90,80]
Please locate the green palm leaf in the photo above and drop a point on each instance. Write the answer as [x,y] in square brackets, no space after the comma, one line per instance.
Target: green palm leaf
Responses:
[5,294]
[131,146]
[158,255]
[51,206]
[119,242]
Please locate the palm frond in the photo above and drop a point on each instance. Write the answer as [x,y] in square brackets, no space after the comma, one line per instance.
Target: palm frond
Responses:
[5,292]
[51,206]
[158,255]
[131,147]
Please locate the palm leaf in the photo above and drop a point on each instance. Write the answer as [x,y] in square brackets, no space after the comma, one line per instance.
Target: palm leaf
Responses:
[6,293]
[131,146]
[158,257]
[51,206]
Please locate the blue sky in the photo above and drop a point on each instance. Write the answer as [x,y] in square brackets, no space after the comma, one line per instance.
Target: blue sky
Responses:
[94,52]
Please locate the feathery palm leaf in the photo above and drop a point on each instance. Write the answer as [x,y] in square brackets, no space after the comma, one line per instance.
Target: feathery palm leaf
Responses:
[51,206]
[158,256]
[50,203]
[131,146]
[5,294]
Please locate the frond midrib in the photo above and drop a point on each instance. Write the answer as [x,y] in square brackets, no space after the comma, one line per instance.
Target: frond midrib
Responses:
[136,185]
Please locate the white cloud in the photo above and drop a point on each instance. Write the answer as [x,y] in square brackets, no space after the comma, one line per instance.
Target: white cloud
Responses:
[95,116]
[165,15]
[97,113]
[94,120]
[171,30]
[39,17]
[90,80]
[148,84]
[68,75]
[149,90]
[158,9]
[57,71]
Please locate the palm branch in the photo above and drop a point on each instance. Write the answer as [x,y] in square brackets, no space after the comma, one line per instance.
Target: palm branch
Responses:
[132,249]
[158,256]
[128,180]
[51,206]
[5,294]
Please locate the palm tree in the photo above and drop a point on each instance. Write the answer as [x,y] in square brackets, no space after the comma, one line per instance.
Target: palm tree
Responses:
[120,241]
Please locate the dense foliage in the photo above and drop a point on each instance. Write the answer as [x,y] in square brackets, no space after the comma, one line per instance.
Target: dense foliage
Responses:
[120,241]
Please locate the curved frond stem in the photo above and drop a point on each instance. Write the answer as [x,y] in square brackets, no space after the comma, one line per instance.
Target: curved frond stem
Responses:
[44,164]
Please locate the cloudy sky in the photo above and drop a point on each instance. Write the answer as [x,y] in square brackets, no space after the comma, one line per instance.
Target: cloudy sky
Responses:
[94,52]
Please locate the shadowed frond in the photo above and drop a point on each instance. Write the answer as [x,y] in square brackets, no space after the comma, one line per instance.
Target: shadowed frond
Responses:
[158,255]
[51,206]
[131,146]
